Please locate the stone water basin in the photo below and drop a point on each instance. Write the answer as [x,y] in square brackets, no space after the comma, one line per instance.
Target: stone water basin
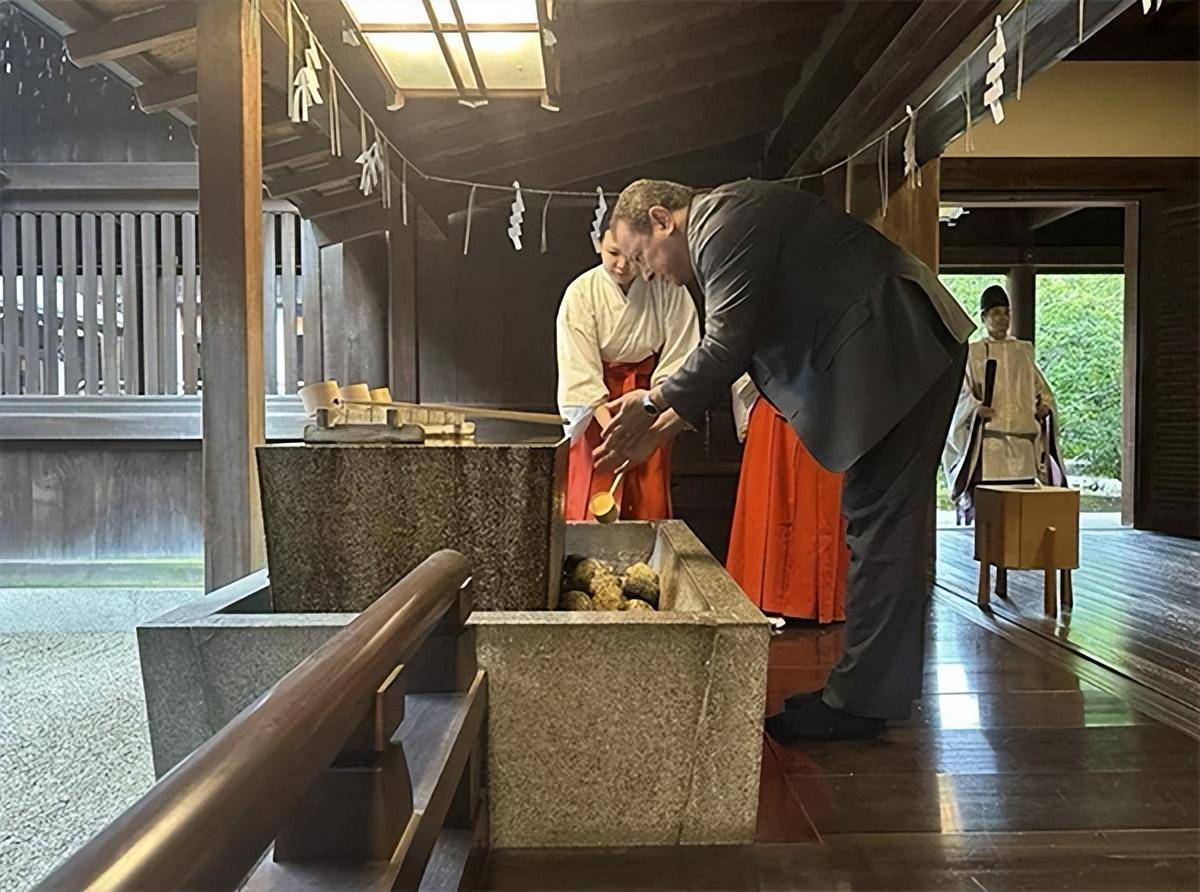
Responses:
[604,728]
[628,728]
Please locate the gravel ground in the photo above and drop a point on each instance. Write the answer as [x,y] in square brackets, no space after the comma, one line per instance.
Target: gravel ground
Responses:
[74,750]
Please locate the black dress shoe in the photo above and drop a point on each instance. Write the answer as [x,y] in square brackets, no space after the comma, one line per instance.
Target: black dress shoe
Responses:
[798,699]
[814,719]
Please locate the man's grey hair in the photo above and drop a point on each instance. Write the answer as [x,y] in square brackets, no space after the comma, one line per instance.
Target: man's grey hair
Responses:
[633,207]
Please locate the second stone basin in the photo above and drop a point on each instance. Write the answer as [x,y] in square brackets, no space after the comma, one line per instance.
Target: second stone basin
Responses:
[620,728]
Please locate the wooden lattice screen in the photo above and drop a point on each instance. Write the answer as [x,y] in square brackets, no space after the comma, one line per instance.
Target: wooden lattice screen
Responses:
[121,292]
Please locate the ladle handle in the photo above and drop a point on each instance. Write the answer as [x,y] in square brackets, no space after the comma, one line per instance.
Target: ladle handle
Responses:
[478,412]
[617,479]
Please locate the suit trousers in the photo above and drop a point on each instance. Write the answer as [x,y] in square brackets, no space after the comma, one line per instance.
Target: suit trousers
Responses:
[887,499]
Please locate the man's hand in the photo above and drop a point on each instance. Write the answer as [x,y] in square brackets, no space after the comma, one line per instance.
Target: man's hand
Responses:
[666,427]
[638,455]
[1041,411]
[624,436]
[986,412]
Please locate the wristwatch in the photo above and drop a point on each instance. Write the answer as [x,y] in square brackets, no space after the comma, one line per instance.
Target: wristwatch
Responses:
[648,404]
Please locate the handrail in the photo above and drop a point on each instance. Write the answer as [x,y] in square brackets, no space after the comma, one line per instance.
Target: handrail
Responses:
[207,822]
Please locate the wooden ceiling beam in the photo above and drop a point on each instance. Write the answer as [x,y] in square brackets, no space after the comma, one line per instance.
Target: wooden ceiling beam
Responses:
[172,91]
[710,116]
[129,36]
[852,40]
[504,141]
[71,13]
[694,52]
[615,27]
[709,165]
[1039,218]
[64,16]
[1044,256]
[281,131]
[315,207]
[350,225]
[307,180]
[1041,181]
[294,152]
[934,39]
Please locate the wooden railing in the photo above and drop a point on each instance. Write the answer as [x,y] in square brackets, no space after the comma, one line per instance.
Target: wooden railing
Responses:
[354,793]
[109,303]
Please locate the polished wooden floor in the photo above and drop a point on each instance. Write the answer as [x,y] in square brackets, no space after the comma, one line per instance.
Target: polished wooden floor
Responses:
[1013,773]
[1137,605]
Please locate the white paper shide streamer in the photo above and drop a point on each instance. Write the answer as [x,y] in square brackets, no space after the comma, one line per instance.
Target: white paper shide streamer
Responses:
[1021,48]
[515,216]
[404,189]
[386,157]
[884,188]
[968,139]
[371,160]
[1146,4]
[306,86]
[545,214]
[912,171]
[994,78]
[601,210]
[470,214]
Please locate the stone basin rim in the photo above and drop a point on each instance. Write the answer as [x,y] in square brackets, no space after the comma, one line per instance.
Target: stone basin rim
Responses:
[585,618]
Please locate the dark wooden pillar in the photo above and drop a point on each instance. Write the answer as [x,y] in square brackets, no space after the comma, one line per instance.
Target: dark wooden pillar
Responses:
[1022,294]
[354,310]
[229,78]
[402,305]
[912,216]
[1130,393]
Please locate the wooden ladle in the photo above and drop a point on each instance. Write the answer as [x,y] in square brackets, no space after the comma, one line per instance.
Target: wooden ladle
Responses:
[603,505]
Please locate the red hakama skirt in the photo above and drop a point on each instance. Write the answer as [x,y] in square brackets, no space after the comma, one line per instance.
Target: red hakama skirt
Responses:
[645,491]
[788,547]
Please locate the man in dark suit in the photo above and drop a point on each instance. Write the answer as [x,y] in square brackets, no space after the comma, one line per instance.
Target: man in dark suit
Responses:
[862,349]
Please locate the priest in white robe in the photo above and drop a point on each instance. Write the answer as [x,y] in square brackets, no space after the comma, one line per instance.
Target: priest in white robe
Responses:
[616,333]
[1006,433]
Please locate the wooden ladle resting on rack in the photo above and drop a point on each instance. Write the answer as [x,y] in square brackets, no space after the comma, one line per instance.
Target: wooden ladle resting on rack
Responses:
[505,414]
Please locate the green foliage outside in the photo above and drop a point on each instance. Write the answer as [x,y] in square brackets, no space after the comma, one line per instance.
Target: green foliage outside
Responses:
[1079,348]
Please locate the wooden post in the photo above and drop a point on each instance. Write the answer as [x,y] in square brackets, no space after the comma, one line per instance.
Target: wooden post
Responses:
[983,596]
[1022,294]
[230,141]
[912,215]
[1050,592]
[1130,394]
[402,305]
[983,554]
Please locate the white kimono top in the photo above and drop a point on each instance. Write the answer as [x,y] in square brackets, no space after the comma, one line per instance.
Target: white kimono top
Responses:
[1010,447]
[745,395]
[598,324]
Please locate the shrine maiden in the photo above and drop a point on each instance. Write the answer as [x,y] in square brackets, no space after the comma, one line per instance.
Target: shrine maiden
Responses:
[1012,440]
[617,333]
[787,546]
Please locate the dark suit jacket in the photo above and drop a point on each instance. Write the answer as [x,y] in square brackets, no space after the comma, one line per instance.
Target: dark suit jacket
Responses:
[838,327]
